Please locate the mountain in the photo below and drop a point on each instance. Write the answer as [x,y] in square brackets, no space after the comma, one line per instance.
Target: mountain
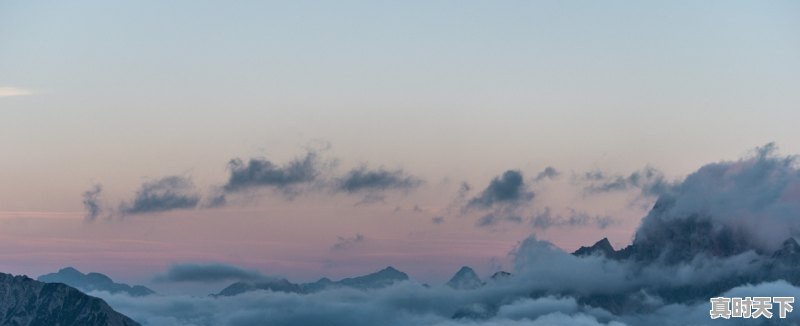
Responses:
[789,252]
[602,247]
[317,286]
[377,280]
[465,279]
[26,302]
[93,282]
[281,285]
[500,275]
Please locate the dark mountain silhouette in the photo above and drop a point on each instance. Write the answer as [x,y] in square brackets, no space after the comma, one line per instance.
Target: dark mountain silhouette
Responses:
[500,275]
[465,279]
[26,302]
[602,247]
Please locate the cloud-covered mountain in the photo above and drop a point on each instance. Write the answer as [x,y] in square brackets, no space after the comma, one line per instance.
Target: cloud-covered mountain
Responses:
[281,285]
[93,282]
[25,302]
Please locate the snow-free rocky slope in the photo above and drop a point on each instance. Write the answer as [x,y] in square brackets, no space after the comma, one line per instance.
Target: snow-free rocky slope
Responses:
[26,302]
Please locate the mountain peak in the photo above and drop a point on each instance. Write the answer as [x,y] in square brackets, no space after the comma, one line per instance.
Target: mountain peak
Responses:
[70,271]
[465,278]
[790,249]
[278,285]
[791,243]
[602,247]
[379,279]
[389,269]
[390,272]
[500,275]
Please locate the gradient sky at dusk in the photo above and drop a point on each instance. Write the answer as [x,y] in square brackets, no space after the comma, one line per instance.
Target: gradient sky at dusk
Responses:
[123,93]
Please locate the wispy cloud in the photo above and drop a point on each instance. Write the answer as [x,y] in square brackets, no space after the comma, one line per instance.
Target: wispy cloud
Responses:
[91,202]
[165,194]
[547,219]
[14,91]
[346,243]
[363,179]
[548,173]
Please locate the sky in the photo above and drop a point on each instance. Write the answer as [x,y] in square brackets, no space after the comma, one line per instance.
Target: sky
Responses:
[427,95]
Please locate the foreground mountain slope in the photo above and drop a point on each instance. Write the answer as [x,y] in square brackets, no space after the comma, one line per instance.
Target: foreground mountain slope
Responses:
[26,302]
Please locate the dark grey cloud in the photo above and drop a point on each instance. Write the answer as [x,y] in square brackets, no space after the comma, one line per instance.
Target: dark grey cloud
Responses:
[216,198]
[492,220]
[91,202]
[209,273]
[547,219]
[548,173]
[343,243]
[363,179]
[507,189]
[260,172]
[649,181]
[437,220]
[165,194]
[463,190]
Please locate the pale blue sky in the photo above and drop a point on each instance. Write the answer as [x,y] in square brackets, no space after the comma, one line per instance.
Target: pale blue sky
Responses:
[123,92]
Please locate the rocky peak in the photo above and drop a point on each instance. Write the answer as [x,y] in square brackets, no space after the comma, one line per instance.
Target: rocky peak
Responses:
[602,247]
[465,279]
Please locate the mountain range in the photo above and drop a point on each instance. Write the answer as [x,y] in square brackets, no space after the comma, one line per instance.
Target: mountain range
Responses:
[377,280]
[464,279]
[93,282]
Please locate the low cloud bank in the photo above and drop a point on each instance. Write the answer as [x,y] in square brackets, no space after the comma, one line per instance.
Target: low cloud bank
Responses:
[209,273]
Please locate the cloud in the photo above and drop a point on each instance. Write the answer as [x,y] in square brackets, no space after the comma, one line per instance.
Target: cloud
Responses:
[165,194]
[547,219]
[727,229]
[91,202]
[437,220]
[406,303]
[346,243]
[548,173]
[208,273]
[216,198]
[649,181]
[14,91]
[730,206]
[362,179]
[507,189]
[463,190]
[492,220]
[262,173]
